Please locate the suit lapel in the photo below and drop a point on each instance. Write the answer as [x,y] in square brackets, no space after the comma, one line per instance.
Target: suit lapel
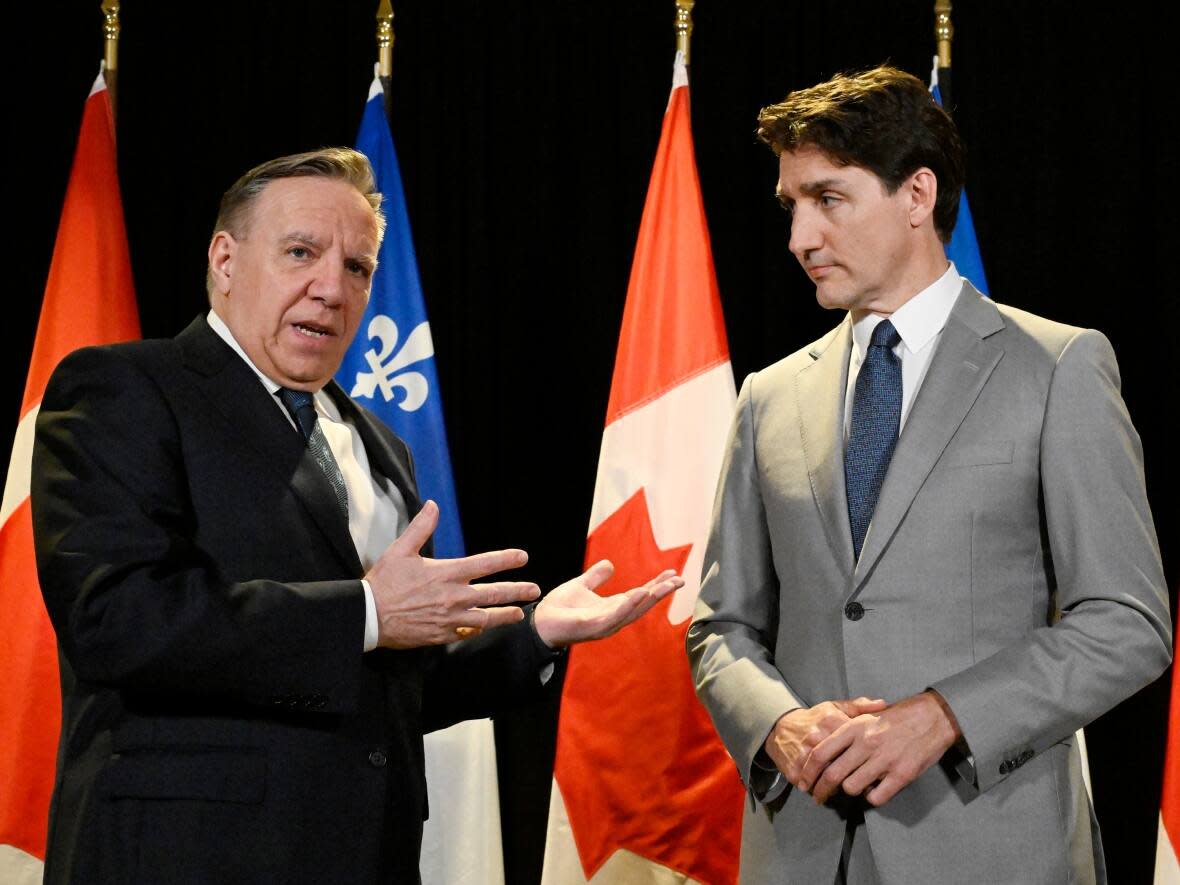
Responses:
[958,370]
[820,388]
[233,390]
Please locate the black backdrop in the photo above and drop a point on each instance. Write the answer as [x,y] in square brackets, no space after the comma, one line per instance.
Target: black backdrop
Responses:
[526,132]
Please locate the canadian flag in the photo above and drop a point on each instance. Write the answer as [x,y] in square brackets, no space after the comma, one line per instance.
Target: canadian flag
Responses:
[89,299]
[643,789]
[1167,850]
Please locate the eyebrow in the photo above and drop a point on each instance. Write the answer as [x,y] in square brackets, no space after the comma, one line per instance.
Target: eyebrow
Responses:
[301,237]
[810,189]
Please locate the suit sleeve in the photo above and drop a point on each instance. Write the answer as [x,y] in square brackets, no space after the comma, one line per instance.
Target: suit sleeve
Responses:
[137,605]
[730,642]
[1114,632]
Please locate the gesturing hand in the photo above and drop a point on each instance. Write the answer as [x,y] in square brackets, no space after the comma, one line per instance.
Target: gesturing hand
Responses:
[424,601]
[573,612]
[797,733]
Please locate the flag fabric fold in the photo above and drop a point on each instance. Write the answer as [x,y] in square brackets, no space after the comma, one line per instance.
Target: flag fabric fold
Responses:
[643,789]
[89,299]
[390,369]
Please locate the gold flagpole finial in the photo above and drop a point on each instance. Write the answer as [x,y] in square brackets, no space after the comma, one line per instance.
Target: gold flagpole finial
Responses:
[943,31]
[110,56]
[385,39]
[684,26]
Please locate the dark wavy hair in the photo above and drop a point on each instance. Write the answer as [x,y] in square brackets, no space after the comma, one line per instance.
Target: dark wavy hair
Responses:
[883,120]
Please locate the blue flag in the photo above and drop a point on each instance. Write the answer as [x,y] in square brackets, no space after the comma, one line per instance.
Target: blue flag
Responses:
[390,366]
[963,249]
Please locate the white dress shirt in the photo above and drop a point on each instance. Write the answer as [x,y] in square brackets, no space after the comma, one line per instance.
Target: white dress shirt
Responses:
[919,322]
[377,511]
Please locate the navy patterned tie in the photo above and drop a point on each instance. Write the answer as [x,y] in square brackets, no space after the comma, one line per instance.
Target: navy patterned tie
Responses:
[301,405]
[876,417]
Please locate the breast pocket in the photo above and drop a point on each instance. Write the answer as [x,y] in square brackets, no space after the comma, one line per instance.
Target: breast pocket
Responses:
[981,454]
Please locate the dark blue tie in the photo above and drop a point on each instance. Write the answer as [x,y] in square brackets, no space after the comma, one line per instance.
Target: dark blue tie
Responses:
[301,405]
[876,416]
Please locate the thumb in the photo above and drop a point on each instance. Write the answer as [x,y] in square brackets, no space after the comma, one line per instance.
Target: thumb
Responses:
[421,527]
[856,706]
[598,574]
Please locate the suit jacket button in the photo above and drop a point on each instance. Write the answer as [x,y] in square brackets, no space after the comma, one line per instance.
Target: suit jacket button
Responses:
[377,759]
[854,611]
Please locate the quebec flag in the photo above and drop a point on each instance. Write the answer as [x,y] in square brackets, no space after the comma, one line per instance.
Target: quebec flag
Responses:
[963,249]
[390,366]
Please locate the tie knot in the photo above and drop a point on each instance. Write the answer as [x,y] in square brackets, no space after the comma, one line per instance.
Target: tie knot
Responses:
[301,405]
[885,335]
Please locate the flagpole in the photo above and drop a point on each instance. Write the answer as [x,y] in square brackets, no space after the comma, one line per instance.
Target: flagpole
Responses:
[944,32]
[385,50]
[684,27]
[110,59]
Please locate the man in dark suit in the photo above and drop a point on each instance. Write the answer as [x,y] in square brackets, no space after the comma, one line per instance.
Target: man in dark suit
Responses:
[932,558]
[248,664]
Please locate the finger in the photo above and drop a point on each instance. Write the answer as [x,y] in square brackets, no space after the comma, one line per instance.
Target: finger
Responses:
[864,777]
[822,755]
[421,527]
[598,574]
[665,587]
[480,564]
[487,618]
[646,598]
[836,774]
[886,790]
[665,575]
[500,593]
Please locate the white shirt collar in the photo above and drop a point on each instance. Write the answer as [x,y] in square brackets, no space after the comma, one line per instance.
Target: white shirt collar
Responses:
[917,321]
[217,324]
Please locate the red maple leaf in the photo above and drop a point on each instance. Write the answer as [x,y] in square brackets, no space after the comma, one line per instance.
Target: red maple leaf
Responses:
[639,764]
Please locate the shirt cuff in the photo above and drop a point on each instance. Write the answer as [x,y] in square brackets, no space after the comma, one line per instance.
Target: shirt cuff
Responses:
[544,647]
[370,617]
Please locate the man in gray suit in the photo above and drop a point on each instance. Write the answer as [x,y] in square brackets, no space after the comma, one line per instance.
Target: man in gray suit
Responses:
[932,558]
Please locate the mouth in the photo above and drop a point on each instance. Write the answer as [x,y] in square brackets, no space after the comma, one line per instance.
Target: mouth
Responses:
[815,271]
[312,330]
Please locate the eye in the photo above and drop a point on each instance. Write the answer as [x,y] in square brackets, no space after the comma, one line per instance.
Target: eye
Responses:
[827,201]
[357,268]
[299,252]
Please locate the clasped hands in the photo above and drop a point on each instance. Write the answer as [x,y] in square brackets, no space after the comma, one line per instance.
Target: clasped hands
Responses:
[423,601]
[863,746]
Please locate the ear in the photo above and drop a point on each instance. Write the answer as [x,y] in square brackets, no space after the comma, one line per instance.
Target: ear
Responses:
[923,191]
[222,250]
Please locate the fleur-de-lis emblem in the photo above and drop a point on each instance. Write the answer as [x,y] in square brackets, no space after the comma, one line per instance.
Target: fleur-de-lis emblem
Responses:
[385,364]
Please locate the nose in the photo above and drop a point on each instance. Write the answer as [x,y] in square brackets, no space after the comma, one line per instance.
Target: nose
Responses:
[327,284]
[806,233]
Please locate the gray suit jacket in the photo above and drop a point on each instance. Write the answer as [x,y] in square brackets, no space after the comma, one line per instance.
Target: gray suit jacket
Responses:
[1011,565]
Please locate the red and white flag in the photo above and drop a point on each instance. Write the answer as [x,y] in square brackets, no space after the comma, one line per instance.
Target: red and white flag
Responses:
[643,789]
[1167,850]
[89,299]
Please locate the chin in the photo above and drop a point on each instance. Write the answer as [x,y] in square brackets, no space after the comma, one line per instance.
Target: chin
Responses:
[834,300]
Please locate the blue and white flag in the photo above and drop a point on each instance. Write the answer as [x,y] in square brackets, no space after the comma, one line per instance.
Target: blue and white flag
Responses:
[390,369]
[963,249]
[390,366]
